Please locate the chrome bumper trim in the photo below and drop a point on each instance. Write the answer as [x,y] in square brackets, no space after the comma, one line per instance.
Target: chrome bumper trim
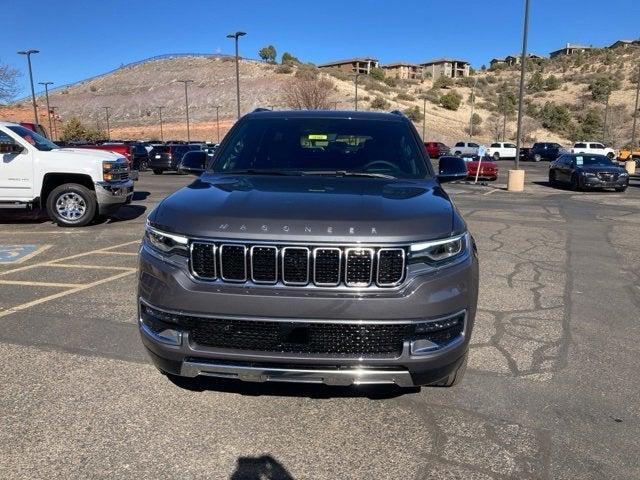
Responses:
[338,377]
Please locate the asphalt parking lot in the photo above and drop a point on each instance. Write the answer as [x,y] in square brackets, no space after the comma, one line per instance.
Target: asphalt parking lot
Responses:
[552,389]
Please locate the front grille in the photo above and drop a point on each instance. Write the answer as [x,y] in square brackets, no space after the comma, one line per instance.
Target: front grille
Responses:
[298,266]
[607,177]
[303,338]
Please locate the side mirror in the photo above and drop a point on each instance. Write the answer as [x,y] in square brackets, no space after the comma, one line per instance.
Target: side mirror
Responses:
[451,169]
[11,148]
[194,162]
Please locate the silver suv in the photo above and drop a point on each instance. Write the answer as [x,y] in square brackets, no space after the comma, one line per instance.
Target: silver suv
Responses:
[314,247]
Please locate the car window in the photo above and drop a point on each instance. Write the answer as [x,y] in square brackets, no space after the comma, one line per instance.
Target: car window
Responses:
[509,145]
[593,160]
[38,141]
[597,145]
[495,145]
[473,145]
[580,145]
[5,138]
[460,144]
[323,144]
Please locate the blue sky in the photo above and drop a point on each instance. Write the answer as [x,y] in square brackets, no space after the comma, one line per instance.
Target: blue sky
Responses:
[81,38]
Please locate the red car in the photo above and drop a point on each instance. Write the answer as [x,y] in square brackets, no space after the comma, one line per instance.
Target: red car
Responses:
[436,149]
[488,169]
[35,127]
[119,148]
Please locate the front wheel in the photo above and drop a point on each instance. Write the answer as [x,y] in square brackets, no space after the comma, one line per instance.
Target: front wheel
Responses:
[496,156]
[575,183]
[72,205]
[157,171]
[144,166]
[537,157]
[621,189]
[611,155]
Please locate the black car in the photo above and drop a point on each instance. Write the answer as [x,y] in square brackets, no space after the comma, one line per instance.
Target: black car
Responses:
[139,156]
[583,171]
[545,151]
[167,157]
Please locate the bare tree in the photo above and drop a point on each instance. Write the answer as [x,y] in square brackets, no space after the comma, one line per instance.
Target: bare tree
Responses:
[308,93]
[8,85]
[529,125]
[495,127]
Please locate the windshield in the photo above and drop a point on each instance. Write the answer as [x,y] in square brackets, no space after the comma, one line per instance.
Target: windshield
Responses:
[33,138]
[323,145]
[599,160]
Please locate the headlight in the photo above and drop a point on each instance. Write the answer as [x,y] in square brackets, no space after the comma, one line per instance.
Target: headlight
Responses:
[107,173]
[439,251]
[165,243]
[587,174]
[624,174]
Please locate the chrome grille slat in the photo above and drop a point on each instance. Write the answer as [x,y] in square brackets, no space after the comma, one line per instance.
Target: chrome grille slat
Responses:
[293,265]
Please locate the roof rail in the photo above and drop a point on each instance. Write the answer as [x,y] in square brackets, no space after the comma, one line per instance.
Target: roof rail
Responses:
[261,109]
[398,112]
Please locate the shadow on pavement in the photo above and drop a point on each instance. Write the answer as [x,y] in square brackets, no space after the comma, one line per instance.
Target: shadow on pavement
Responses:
[23,217]
[372,392]
[260,468]
[125,213]
[137,195]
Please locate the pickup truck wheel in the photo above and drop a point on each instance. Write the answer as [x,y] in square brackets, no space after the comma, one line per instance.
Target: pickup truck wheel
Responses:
[157,171]
[72,205]
[496,156]
[454,377]
[144,166]
[457,154]
[537,157]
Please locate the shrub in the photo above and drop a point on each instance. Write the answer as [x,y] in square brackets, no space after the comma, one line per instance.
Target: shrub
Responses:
[377,73]
[602,86]
[552,83]
[391,81]
[414,114]
[451,100]
[284,68]
[379,103]
[93,88]
[536,83]
[308,93]
[268,54]
[288,58]
[339,74]
[307,72]
[466,82]
[374,85]
[442,82]
[432,96]
[405,96]
[556,118]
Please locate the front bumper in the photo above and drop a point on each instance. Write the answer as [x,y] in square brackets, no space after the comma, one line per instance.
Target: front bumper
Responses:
[595,182]
[112,195]
[431,297]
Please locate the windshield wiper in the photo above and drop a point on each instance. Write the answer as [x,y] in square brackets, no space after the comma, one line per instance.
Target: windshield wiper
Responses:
[258,171]
[345,173]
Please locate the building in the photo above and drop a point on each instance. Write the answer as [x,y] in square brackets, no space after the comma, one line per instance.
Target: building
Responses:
[512,60]
[624,44]
[570,49]
[402,70]
[449,67]
[353,65]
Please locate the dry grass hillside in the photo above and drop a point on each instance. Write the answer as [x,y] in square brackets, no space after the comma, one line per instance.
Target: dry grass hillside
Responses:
[561,109]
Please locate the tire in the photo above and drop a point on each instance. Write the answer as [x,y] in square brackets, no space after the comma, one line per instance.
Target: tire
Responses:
[72,205]
[144,166]
[621,189]
[157,171]
[575,183]
[537,157]
[454,377]
[552,179]
[611,155]
[496,156]
[457,154]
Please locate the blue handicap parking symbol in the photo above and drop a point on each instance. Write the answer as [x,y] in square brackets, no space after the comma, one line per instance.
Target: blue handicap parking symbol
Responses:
[14,253]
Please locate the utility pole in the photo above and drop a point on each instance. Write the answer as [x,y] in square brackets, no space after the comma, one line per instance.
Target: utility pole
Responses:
[606,115]
[235,36]
[356,97]
[424,117]
[106,111]
[54,132]
[473,104]
[46,91]
[523,69]
[635,111]
[218,122]
[28,53]
[186,102]
[160,114]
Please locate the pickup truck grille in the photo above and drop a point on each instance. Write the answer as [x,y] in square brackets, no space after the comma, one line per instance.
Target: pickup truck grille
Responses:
[298,265]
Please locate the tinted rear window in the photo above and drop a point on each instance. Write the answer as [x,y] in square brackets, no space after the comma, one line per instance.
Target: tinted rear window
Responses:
[323,144]
[580,145]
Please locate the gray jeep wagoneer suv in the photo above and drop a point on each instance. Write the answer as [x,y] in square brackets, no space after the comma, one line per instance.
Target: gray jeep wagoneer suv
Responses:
[316,246]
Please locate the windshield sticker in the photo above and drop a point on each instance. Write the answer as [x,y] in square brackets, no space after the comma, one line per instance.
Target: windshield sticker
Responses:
[579,160]
[317,136]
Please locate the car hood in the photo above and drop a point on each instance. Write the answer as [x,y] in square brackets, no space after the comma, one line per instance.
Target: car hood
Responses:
[319,209]
[81,153]
[601,168]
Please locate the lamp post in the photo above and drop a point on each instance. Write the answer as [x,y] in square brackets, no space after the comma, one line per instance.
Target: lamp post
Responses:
[186,102]
[473,104]
[160,115]
[106,111]
[46,92]
[218,122]
[635,111]
[236,36]
[28,53]
[355,77]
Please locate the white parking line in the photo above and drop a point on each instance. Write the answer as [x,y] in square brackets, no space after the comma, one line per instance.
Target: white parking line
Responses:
[28,283]
[491,191]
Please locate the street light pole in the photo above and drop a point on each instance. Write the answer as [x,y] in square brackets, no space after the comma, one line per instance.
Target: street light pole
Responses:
[473,104]
[235,36]
[160,114]
[635,111]
[218,122]
[186,102]
[356,97]
[106,110]
[523,67]
[28,53]
[46,92]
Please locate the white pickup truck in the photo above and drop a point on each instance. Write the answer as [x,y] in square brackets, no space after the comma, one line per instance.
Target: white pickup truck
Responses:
[465,148]
[500,150]
[72,185]
[593,148]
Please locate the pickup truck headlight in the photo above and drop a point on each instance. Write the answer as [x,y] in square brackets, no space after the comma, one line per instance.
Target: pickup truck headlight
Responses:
[166,244]
[439,251]
[107,174]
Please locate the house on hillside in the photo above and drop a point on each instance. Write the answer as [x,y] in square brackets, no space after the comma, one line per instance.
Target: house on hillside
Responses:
[570,49]
[402,70]
[449,67]
[353,65]
[512,60]
[624,44]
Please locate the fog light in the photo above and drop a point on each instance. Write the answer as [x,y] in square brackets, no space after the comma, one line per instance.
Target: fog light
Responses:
[437,334]
[154,323]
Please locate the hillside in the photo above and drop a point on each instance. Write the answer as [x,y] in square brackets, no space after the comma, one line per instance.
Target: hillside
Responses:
[571,111]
